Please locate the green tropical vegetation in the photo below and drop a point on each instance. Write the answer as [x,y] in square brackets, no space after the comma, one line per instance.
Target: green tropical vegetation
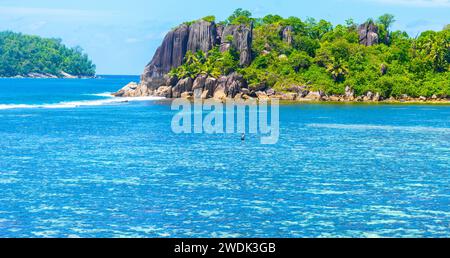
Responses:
[22,54]
[329,58]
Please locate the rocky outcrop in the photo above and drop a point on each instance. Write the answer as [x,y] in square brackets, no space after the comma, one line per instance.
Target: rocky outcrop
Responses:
[234,87]
[220,89]
[261,95]
[60,75]
[164,91]
[349,93]
[368,34]
[203,87]
[287,35]
[184,85]
[314,95]
[134,90]
[240,37]
[235,83]
[169,55]
[199,86]
[370,96]
[186,95]
[210,86]
[171,80]
[67,75]
[202,36]
[301,91]
[41,76]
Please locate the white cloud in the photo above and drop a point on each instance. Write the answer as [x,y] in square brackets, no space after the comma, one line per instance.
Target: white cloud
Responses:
[419,3]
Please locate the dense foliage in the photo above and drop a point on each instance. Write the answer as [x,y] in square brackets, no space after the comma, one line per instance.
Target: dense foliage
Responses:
[329,58]
[23,54]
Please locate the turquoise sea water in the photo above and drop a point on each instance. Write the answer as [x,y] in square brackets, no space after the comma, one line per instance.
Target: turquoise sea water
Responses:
[76,163]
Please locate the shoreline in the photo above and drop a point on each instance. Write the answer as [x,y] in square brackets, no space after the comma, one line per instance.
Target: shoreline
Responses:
[325,102]
[233,87]
[54,78]
[62,75]
[437,103]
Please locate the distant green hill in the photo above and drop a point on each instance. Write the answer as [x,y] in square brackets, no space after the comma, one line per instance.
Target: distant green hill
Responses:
[25,55]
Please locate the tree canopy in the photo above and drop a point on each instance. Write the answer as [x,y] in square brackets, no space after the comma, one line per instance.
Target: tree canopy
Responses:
[386,20]
[24,54]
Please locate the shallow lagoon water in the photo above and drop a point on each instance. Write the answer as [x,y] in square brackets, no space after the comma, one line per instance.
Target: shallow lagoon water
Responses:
[110,169]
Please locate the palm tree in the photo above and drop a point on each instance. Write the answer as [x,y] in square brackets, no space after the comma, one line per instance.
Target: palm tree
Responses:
[337,70]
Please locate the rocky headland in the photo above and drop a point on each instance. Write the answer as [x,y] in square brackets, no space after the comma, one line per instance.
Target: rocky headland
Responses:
[205,35]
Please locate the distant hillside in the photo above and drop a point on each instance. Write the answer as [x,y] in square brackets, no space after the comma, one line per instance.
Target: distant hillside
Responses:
[33,56]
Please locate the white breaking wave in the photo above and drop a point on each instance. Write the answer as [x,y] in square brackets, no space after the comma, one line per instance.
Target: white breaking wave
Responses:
[381,127]
[105,94]
[82,103]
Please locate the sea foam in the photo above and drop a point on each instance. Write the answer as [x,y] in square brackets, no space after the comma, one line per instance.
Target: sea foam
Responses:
[82,103]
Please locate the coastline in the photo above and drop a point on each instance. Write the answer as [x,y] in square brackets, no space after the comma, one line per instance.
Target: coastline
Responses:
[325,102]
[235,87]
[48,76]
[397,102]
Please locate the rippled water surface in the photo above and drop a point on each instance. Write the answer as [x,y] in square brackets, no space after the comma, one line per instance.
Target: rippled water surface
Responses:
[69,168]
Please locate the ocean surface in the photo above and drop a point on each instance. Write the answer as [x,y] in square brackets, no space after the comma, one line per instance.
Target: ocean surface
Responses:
[75,162]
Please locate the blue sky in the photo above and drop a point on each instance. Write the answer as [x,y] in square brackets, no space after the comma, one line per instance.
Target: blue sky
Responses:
[121,36]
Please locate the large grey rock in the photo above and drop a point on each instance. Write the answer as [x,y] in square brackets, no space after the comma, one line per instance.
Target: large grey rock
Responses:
[170,80]
[270,92]
[301,91]
[199,82]
[169,55]
[368,34]
[202,36]
[134,90]
[220,90]
[210,87]
[377,97]
[67,75]
[41,76]
[198,86]
[164,91]
[261,95]
[186,95]
[258,87]
[219,29]
[184,85]
[290,96]
[235,82]
[241,39]
[314,95]
[349,93]
[287,35]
